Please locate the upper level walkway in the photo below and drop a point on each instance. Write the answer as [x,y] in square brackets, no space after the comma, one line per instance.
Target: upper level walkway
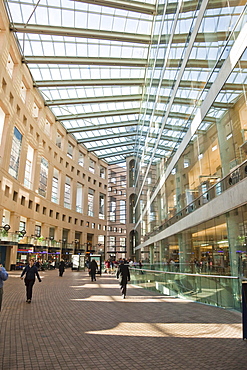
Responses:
[73,323]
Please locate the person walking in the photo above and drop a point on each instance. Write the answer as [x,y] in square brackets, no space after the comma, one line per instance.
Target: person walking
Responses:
[30,270]
[3,276]
[123,275]
[61,268]
[93,267]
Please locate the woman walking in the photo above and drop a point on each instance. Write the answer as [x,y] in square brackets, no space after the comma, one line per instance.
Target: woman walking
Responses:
[30,270]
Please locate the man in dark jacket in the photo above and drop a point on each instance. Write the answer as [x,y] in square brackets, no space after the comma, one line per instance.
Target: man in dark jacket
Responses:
[123,275]
[61,268]
[30,270]
[93,267]
[3,277]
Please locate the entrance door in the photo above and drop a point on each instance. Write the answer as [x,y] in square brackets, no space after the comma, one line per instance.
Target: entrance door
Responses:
[2,255]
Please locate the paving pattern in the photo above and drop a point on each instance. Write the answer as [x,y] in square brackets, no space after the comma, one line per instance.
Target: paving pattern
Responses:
[73,323]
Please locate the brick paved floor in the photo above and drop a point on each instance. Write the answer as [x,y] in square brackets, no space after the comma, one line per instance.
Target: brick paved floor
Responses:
[73,323]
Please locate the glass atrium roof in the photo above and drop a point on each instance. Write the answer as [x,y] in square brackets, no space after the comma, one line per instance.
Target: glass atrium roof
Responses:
[112,71]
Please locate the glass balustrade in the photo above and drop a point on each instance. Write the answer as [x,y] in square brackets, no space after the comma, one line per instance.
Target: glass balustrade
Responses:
[215,290]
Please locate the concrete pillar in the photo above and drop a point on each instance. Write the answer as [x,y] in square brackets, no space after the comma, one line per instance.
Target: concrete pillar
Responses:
[14,221]
[59,234]
[151,254]
[30,227]
[1,214]
[233,220]
[185,249]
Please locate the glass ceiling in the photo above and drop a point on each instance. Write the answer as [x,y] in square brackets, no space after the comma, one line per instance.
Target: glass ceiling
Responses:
[112,71]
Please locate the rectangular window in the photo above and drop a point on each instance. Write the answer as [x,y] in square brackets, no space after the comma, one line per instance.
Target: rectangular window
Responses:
[67,193]
[59,140]
[79,198]
[90,202]
[101,242]
[112,243]
[122,242]
[122,211]
[122,180]
[70,150]
[102,206]
[102,172]
[92,165]
[22,225]
[113,177]
[55,187]
[29,168]
[81,159]
[15,153]
[113,206]
[43,177]
[37,231]
[186,162]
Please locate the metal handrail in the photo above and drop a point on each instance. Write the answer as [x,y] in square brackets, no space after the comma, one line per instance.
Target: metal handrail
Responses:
[188,274]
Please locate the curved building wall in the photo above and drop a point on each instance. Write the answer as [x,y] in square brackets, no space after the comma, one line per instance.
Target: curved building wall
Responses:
[49,186]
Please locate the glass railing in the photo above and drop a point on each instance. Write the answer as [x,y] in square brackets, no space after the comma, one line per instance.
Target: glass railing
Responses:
[191,268]
[215,290]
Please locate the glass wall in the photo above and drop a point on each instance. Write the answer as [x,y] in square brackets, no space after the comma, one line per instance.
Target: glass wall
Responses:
[191,215]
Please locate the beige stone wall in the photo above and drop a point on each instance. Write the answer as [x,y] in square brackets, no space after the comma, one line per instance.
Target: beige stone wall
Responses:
[14,196]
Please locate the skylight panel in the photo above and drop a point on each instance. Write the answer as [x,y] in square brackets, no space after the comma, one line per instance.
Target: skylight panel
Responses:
[93,21]
[17,11]
[118,24]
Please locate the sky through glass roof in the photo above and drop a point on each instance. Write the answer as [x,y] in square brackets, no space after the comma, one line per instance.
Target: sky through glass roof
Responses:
[120,75]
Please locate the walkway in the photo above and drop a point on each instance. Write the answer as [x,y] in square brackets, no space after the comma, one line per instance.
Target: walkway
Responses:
[73,323]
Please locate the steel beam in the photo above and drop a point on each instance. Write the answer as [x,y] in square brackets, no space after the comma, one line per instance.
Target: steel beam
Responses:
[126,62]
[116,125]
[192,5]
[114,154]
[131,6]
[94,100]
[140,63]
[111,35]
[106,137]
[102,127]
[133,82]
[98,114]
[126,134]
[109,146]
[80,33]
[91,82]
[125,98]
[127,143]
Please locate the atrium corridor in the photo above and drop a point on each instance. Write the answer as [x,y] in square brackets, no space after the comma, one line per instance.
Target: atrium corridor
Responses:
[74,323]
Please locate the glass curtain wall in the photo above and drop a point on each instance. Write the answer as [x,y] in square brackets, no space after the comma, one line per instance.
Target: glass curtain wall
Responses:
[204,105]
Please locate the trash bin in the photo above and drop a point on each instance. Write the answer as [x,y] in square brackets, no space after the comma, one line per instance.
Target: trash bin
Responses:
[244,309]
[12,267]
